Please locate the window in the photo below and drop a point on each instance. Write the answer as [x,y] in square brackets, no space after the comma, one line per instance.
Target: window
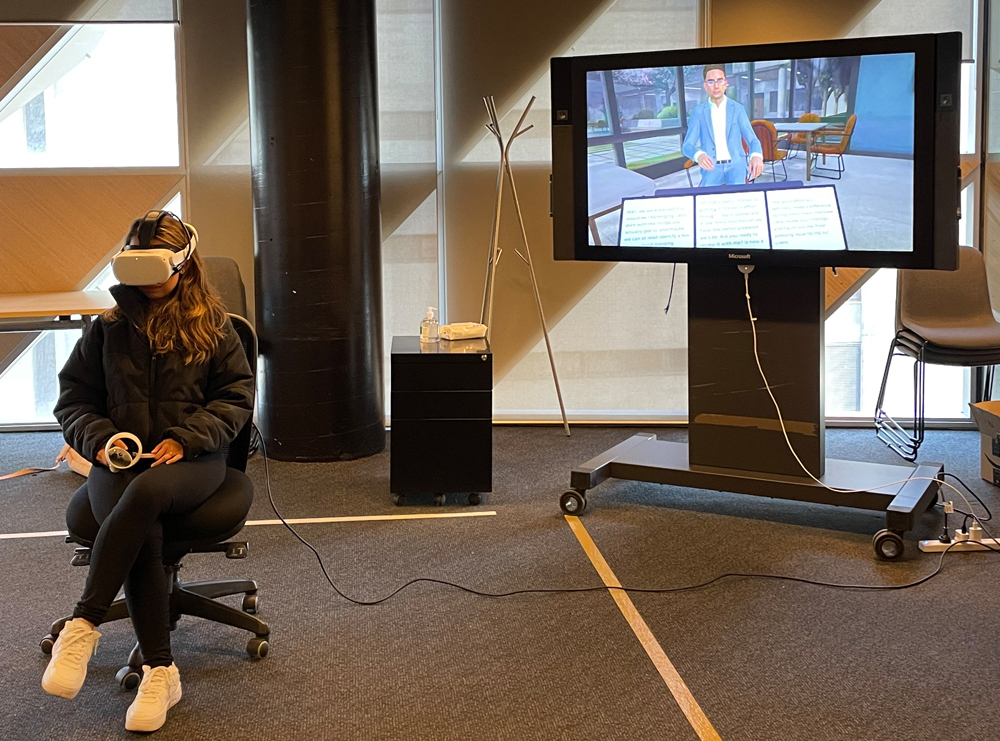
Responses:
[103,96]
[617,354]
[858,335]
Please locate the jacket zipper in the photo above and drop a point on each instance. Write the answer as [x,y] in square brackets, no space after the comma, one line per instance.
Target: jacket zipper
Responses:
[152,385]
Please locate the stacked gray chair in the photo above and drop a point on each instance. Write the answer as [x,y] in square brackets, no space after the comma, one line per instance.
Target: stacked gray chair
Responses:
[942,318]
[204,530]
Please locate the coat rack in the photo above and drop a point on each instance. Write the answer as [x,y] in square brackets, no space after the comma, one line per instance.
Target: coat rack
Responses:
[495,252]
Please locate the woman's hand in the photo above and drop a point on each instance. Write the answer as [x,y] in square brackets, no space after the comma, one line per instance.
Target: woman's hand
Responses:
[103,459]
[168,451]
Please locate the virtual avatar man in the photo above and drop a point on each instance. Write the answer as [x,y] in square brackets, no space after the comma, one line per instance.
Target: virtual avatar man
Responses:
[714,135]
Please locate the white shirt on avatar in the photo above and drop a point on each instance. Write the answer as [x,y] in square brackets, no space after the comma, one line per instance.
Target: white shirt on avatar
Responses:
[722,152]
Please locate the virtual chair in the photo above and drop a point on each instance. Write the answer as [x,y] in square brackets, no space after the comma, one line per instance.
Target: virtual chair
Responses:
[827,148]
[942,317]
[206,529]
[767,135]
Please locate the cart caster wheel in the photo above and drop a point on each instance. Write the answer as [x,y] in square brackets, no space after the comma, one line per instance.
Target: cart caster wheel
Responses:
[128,678]
[573,502]
[257,648]
[475,498]
[398,499]
[888,545]
[440,499]
[46,644]
[250,603]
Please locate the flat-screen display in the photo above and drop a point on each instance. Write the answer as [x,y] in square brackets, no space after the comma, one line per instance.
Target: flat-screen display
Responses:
[835,153]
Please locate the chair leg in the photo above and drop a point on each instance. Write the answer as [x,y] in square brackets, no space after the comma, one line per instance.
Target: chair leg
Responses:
[220,587]
[903,442]
[189,603]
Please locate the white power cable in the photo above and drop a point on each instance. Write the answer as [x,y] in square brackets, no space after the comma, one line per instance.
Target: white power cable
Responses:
[781,421]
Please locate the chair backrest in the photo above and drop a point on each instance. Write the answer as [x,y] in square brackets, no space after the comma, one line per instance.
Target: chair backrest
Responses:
[768,137]
[945,297]
[238,450]
[809,118]
[849,126]
[224,275]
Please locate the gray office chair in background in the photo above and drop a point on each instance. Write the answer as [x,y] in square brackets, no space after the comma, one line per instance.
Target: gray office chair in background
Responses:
[204,530]
[944,318]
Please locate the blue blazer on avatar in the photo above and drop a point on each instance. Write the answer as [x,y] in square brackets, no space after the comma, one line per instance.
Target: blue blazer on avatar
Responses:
[700,134]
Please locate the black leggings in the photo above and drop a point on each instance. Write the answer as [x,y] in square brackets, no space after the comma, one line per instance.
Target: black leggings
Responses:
[128,550]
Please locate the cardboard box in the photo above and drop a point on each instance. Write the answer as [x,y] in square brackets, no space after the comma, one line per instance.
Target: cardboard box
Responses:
[986,415]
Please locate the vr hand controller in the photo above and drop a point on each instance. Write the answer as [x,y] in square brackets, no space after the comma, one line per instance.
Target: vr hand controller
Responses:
[120,458]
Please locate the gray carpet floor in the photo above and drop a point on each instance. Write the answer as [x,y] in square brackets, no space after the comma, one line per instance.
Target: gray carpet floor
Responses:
[766,660]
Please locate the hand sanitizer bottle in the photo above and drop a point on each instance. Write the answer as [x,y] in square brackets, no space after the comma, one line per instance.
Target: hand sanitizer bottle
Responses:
[429,326]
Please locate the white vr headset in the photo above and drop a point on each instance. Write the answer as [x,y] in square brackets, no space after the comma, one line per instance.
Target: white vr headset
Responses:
[143,265]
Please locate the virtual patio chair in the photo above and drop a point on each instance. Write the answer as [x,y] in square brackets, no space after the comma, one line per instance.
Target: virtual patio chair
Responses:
[767,135]
[836,149]
[795,142]
[942,317]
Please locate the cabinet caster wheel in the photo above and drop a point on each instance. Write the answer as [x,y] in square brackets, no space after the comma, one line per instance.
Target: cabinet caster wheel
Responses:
[573,502]
[128,678]
[46,644]
[440,499]
[888,545]
[250,603]
[257,648]
[398,499]
[475,498]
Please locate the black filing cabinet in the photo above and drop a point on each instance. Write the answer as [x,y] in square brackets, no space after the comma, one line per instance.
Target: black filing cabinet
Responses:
[442,418]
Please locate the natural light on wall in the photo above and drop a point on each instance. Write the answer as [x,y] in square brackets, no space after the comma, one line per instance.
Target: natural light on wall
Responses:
[618,355]
[103,96]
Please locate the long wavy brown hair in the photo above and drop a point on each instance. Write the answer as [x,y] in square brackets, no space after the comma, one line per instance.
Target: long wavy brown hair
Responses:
[192,319]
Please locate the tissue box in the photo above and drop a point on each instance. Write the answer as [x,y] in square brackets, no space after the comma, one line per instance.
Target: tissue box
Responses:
[463,331]
[986,415]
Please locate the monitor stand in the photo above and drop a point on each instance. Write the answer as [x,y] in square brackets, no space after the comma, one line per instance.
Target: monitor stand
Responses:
[735,442]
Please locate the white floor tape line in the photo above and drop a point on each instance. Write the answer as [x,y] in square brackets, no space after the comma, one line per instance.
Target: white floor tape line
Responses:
[293,521]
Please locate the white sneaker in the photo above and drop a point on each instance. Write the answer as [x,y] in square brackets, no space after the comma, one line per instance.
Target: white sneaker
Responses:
[159,691]
[67,668]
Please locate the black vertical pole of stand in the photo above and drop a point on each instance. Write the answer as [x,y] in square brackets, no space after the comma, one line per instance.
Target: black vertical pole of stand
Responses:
[314,139]
[732,421]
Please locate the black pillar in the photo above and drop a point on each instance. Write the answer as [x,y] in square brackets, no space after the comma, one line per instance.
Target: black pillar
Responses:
[314,137]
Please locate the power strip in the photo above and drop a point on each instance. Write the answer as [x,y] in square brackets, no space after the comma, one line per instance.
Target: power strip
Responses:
[970,541]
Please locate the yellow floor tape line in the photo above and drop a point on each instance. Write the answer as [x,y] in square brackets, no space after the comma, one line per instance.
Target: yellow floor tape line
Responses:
[688,705]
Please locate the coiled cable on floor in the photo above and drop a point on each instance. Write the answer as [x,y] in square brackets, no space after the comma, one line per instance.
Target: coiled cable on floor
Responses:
[570,590]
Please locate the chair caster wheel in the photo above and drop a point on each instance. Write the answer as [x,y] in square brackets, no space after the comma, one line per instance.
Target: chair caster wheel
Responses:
[475,498]
[250,603]
[128,678]
[888,545]
[398,499]
[257,648]
[573,502]
[46,644]
[440,499]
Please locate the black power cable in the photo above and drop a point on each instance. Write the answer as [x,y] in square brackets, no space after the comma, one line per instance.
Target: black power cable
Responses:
[564,590]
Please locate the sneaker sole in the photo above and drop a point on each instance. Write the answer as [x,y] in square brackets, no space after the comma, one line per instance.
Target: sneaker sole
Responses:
[148,725]
[58,690]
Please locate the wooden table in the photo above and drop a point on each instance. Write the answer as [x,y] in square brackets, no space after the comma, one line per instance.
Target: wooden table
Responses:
[811,130]
[37,312]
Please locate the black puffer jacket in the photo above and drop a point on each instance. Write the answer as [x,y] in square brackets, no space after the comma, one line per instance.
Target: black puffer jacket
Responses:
[112,382]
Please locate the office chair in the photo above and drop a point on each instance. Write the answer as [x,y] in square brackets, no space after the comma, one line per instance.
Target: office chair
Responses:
[943,317]
[206,529]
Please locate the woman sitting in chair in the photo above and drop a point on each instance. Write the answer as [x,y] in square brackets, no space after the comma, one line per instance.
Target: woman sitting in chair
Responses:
[166,365]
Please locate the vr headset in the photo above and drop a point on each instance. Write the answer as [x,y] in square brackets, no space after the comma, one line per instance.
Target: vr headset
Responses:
[144,265]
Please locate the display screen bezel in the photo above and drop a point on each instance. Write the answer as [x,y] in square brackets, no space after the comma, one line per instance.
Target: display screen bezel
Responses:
[925,111]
